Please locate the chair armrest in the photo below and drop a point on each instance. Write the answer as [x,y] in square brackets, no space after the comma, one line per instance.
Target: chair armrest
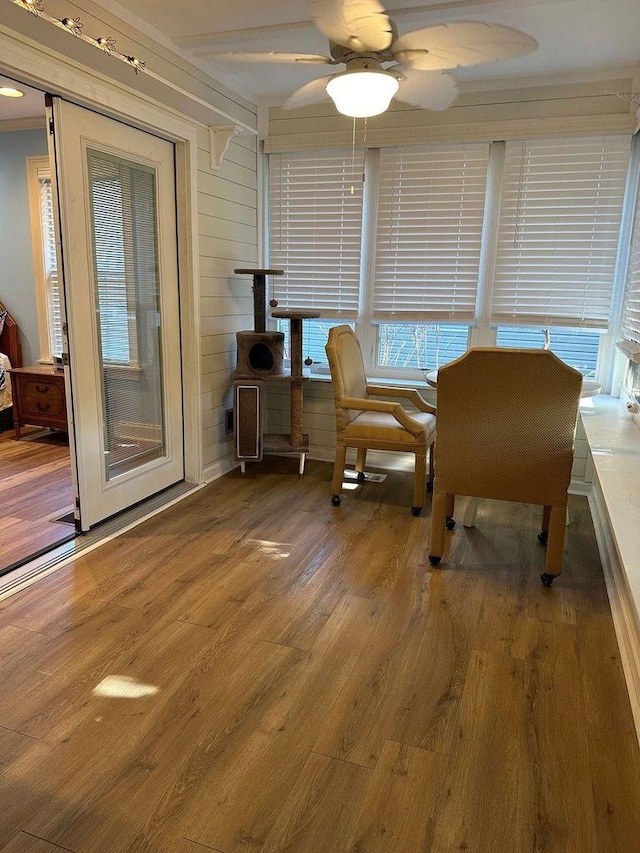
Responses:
[399,413]
[411,394]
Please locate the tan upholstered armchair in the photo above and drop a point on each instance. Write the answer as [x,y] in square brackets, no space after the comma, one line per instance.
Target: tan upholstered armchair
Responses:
[506,427]
[366,423]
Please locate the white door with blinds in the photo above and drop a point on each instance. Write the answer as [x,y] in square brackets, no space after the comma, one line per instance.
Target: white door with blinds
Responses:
[116,188]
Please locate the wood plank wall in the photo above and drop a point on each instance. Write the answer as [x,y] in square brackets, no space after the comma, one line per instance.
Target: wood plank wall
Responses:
[228,238]
[586,107]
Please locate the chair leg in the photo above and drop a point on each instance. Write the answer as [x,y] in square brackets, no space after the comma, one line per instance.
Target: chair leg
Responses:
[438,517]
[555,544]
[338,474]
[451,505]
[470,513]
[431,467]
[419,483]
[361,462]
[543,536]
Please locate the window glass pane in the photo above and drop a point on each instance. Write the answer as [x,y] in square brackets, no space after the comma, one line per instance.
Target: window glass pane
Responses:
[631,310]
[314,339]
[420,346]
[576,347]
[50,265]
[127,291]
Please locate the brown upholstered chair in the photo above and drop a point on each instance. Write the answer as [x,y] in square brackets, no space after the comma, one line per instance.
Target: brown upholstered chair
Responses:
[506,427]
[366,423]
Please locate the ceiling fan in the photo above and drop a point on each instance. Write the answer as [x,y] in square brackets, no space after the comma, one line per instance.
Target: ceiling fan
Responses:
[380,63]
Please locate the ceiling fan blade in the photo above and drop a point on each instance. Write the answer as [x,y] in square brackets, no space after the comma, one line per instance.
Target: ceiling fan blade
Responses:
[274,56]
[430,90]
[311,93]
[460,44]
[358,24]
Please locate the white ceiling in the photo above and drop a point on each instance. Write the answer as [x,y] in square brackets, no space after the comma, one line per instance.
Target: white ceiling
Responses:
[32,104]
[576,37]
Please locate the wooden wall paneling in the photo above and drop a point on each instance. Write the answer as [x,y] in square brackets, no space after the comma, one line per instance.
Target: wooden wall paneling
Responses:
[228,238]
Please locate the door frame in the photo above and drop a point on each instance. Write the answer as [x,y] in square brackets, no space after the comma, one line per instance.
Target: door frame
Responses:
[92,91]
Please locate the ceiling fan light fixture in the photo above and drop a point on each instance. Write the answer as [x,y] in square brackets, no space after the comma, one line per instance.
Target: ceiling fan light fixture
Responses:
[10,92]
[362,92]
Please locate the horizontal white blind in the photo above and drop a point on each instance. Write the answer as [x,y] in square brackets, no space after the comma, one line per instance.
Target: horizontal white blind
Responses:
[559,224]
[315,226]
[631,310]
[431,202]
[50,262]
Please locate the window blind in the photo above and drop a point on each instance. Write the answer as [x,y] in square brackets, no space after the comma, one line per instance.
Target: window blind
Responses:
[631,309]
[126,272]
[558,232]
[50,262]
[430,210]
[315,225]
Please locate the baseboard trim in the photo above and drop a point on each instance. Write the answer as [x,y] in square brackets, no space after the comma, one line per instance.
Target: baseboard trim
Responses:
[580,487]
[219,469]
[621,601]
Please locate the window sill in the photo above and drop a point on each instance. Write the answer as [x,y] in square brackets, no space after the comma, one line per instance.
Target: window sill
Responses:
[420,384]
[614,442]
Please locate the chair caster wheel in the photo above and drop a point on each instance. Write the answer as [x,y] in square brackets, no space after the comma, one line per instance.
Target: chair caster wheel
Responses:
[434,560]
[430,486]
[543,537]
[416,510]
[547,579]
[450,523]
[335,500]
[361,477]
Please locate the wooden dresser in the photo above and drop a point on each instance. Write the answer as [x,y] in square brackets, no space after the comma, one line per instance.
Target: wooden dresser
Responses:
[38,397]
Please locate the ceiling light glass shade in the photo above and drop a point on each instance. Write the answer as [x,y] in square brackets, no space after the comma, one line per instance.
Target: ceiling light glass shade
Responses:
[8,92]
[361,94]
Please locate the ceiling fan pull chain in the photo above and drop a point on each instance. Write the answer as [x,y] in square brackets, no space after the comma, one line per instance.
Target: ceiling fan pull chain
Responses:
[353,154]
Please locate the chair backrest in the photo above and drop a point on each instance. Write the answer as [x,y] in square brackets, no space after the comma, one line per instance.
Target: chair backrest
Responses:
[347,371]
[506,425]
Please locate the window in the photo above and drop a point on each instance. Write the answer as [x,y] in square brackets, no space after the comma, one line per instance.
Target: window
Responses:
[451,245]
[44,257]
[429,229]
[631,311]
[558,237]
[123,217]
[315,229]
[314,338]
[420,346]
[577,347]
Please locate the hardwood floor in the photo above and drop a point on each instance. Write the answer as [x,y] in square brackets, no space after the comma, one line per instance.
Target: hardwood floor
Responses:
[35,491]
[308,683]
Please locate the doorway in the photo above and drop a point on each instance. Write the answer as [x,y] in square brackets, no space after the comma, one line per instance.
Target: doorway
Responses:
[116,187]
[123,381]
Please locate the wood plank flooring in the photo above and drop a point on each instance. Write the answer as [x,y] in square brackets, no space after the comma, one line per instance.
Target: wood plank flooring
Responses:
[298,678]
[35,490]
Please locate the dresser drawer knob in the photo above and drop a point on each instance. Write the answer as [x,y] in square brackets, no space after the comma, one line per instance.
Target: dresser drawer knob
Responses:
[42,389]
[43,407]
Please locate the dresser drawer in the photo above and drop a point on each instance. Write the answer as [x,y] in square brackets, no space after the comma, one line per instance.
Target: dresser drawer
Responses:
[42,398]
[38,398]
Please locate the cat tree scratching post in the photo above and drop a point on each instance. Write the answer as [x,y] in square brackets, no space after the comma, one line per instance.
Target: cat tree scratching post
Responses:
[260,360]
[298,442]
